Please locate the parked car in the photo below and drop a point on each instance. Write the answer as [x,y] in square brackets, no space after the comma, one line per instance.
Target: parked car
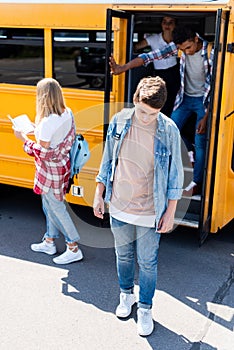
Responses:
[90,65]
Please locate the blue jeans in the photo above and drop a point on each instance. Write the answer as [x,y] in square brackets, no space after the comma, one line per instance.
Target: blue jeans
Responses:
[146,242]
[58,219]
[180,116]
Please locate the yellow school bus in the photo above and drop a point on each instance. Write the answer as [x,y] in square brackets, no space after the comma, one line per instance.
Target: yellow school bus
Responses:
[71,41]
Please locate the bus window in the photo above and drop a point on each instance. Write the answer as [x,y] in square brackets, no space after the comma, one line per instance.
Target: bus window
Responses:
[21,56]
[79,58]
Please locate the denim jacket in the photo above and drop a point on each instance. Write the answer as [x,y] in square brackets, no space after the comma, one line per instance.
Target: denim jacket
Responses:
[168,167]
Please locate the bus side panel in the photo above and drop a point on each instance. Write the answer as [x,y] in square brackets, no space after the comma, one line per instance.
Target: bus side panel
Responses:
[16,167]
[90,16]
[223,209]
[88,109]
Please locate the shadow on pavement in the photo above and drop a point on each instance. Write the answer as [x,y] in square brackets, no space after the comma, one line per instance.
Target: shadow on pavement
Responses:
[188,275]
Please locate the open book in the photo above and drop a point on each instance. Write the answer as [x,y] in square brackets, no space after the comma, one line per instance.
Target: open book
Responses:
[22,123]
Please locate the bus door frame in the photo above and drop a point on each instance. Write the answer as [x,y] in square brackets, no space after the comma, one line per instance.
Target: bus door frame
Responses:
[213,123]
[110,14]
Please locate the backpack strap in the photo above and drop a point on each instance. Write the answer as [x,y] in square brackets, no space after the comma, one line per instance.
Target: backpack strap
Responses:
[71,177]
[73,119]
[121,121]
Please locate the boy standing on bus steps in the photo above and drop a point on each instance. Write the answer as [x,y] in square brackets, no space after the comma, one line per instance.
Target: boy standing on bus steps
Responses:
[193,96]
[142,175]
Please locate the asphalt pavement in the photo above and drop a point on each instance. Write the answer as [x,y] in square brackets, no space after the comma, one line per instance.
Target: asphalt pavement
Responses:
[50,307]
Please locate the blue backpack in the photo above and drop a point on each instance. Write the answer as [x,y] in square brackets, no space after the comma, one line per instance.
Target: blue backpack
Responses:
[79,154]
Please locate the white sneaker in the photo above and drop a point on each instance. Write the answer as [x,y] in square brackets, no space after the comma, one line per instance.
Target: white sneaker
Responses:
[190,186]
[145,323]
[44,247]
[68,257]
[125,306]
[191,156]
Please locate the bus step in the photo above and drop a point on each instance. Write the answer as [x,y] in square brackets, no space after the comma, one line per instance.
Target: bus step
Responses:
[193,198]
[188,169]
[186,222]
[189,219]
[189,205]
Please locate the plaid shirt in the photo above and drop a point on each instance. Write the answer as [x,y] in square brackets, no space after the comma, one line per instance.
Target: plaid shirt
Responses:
[171,49]
[52,165]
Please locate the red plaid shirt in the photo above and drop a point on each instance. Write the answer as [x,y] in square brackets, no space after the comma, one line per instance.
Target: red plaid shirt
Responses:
[52,165]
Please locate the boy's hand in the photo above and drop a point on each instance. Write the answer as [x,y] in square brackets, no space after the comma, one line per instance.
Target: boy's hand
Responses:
[166,222]
[201,128]
[115,68]
[98,207]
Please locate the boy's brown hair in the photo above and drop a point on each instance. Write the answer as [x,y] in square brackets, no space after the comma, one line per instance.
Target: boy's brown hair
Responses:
[152,91]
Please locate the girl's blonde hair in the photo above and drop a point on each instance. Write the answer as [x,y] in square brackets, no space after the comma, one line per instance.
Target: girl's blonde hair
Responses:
[49,99]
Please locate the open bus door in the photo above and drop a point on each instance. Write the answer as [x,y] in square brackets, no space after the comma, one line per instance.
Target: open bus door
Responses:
[125,26]
[200,213]
[210,184]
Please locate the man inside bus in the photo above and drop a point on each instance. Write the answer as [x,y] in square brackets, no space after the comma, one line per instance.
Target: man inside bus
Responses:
[193,96]
[167,69]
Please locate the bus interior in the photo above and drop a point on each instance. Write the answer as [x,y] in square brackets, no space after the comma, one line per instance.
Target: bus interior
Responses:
[211,26]
[148,23]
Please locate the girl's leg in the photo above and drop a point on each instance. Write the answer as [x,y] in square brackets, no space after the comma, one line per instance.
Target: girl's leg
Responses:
[52,231]
[172,78]
[59,218]
[57,214]
[47,245]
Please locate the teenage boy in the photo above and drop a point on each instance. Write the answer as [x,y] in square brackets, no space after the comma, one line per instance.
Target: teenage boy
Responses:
[193,96]
[142,176]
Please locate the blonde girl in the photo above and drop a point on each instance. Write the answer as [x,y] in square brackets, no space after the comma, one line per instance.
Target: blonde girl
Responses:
[54,134]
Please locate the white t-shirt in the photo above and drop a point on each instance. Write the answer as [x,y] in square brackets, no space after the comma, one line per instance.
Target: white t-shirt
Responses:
[156,41]
[54,128]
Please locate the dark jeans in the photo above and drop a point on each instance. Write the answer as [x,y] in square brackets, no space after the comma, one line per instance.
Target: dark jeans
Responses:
[171,76]
[180,116]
